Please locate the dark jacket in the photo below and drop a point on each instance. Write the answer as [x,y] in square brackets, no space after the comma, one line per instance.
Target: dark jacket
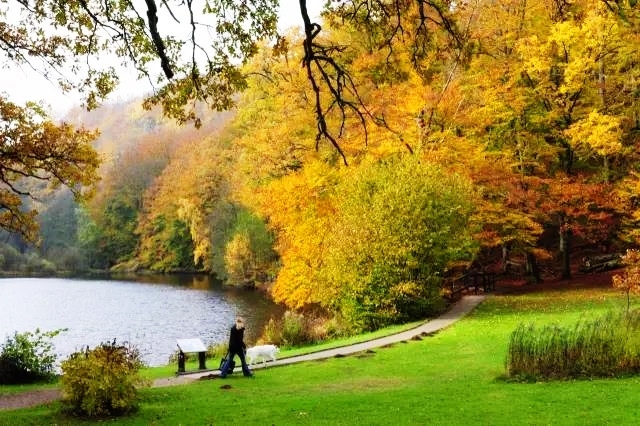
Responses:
[236,340]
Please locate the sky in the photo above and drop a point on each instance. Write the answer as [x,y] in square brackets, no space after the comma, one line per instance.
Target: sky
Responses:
[22,84]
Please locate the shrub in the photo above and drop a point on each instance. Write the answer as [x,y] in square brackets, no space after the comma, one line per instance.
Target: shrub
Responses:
[35,264]
[293,329]
[272,332]
[10,258]
[397,226]
[604,347]
[297,329]
[337,327]
[28,357]
[102,381]
[217,350]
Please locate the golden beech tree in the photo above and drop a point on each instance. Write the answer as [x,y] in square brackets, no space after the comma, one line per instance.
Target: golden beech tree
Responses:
[575,74]
[299,209]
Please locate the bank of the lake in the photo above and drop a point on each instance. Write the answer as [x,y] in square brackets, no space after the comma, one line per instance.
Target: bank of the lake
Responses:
[148,311]
[455,377]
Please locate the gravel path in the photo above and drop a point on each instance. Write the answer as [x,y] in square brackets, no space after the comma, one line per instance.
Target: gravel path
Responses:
[28,399]
[457,311]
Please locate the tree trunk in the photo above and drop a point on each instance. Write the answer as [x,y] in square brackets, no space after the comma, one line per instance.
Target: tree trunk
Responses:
[569,159]
[505,258]
[532,268]
[565,249]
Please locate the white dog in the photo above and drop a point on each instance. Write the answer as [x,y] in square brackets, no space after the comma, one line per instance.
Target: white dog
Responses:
[263,352]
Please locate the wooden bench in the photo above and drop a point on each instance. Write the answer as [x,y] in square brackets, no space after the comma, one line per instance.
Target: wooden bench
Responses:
[186,346]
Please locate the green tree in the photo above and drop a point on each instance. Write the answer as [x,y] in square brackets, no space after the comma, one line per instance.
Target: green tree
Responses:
[249,254]
[168,248]
[399,224]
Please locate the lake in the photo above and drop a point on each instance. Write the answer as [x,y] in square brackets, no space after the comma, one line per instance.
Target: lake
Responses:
[150,312]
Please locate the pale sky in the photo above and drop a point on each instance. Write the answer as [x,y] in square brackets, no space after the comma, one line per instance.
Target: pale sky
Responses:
[23,84]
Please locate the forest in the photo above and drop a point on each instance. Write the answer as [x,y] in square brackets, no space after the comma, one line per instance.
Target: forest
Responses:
[506,138]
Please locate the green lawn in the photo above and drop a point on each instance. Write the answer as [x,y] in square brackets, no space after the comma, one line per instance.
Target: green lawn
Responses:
[452,378]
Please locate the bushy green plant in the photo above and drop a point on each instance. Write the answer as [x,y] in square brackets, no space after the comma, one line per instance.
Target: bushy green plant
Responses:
[293,329]
[272,332]
[11,258]
[102,381]
[217,350]
[35,264]
[28,357]
[603,347]
[398,225]
[297,329]
[336,327]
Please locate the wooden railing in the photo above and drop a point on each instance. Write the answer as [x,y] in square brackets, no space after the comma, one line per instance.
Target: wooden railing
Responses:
[471,281]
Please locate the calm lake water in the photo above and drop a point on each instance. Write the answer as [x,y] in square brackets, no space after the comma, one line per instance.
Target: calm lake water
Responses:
[149,312]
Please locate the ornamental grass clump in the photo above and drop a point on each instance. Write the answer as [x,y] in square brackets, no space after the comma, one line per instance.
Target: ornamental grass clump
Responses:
[103,381]
[604,347]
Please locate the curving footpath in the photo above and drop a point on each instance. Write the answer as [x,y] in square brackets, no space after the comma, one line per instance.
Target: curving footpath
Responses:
[457,311]
[465,305]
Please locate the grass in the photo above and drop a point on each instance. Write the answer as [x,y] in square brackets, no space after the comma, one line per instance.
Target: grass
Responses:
[453,378]
[13,389]
[170,370]
[602,346]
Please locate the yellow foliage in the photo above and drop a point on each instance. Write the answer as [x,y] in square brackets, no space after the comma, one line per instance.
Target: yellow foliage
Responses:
[239,259]
[299,208]
[597,132]
[572,52]
[192,214]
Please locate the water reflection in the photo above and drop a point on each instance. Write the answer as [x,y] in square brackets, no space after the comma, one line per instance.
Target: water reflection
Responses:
[149,311]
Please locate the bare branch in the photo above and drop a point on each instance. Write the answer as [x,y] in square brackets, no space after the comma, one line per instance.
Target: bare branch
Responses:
[152,15]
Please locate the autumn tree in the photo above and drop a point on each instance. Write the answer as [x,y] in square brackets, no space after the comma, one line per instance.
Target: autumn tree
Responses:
[545,100]
[127,172]
[399,225]
[370,243]
[191,55]
[629,280]
[249,254]
[36,150]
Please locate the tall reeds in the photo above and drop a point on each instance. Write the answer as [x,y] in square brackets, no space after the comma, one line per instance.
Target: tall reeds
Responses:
[602,347]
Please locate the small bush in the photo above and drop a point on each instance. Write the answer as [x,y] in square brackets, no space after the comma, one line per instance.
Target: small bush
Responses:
[272,332]
[28,357]
[10,258]
[35,264]
[337,327]
[293,329]
[605,347]
[217,350]
[297,329]
[102,381]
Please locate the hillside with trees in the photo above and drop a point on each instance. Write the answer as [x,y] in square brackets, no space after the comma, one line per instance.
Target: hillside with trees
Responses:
[356,174]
